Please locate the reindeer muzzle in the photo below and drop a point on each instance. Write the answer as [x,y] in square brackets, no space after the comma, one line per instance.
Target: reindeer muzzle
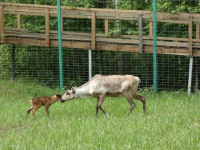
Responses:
[62,101]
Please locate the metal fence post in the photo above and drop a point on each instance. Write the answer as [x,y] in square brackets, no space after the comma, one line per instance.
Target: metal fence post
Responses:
[60,45]
[190,75]
[90,63]
[154,48]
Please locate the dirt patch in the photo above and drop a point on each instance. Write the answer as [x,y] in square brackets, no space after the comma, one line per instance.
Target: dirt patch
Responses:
[12,127]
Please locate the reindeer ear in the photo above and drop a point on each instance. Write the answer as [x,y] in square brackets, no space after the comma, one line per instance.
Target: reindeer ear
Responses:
[70,87]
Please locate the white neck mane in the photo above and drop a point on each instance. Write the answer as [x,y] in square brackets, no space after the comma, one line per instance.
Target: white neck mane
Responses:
[82,91]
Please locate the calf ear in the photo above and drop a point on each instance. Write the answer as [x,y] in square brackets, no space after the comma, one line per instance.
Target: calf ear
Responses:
[70,87]
[58,95]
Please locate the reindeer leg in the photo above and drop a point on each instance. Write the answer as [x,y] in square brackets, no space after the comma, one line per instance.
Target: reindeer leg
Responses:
[28,111]
[97,108]
[142,99]
[131,102]
[100,102]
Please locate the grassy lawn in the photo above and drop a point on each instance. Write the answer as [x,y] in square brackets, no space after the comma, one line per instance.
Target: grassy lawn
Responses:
[171,121]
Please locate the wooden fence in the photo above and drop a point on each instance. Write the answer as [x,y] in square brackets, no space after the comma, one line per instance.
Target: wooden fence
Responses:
[130,43]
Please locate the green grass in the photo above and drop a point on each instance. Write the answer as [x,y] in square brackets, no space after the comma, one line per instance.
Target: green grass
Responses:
[170,123]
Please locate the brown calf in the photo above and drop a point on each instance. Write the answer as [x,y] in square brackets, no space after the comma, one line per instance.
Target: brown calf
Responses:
[39,101]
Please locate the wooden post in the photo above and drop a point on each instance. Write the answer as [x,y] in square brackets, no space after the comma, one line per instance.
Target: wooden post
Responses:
[2,26]
[151,29]
[47,31]
[93,30]
[61,23]
[18,21]
[190,35]
[106,27]
[140,33]
[198,40]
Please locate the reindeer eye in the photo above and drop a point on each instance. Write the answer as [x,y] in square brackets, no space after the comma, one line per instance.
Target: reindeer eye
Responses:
[67,93]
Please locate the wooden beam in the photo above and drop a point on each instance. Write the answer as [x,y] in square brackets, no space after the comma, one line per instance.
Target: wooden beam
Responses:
[39,10]
[15,29]
[106,27]
[18,21]
[113,13]
[80,37]
[103,46]
[47,28]
[93,30]
[2,26]
[190,35]
[61,23]
[140,33]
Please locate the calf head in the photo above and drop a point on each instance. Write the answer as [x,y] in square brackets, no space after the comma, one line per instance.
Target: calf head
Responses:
[69,95]
[58,96]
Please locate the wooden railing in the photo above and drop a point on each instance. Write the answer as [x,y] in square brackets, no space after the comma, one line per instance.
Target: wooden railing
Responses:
[50,36]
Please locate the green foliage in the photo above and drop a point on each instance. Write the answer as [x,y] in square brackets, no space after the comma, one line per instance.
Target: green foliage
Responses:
[78,3]
[5,61]
[114,32]
[178,6]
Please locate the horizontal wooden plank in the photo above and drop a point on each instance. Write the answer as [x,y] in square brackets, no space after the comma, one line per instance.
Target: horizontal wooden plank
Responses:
[81,35]
[162,15]
[125,36]
[98,39]
[79,12]
[27,5]
[25,13]
[102,46]
[26,35]
[16,29]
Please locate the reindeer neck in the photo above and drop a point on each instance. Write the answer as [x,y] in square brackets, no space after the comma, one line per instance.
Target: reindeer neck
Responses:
[82,90]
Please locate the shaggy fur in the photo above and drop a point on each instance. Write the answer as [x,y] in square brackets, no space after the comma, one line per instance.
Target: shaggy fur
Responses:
[108,86]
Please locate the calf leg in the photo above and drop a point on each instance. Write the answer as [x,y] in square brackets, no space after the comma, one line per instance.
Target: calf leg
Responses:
[28,111]
[47,110]
[34,110]
[142,99]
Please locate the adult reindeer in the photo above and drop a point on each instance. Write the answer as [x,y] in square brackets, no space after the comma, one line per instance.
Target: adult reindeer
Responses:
[112,86]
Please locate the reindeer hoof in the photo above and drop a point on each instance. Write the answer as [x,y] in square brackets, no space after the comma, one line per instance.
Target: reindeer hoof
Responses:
[107,115]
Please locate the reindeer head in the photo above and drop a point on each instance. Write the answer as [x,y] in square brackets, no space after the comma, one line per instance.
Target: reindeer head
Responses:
[69,95]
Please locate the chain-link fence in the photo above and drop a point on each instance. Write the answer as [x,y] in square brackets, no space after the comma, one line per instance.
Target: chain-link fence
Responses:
[41,64]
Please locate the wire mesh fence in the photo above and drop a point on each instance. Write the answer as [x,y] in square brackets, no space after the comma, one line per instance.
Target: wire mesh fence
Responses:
[41,64]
